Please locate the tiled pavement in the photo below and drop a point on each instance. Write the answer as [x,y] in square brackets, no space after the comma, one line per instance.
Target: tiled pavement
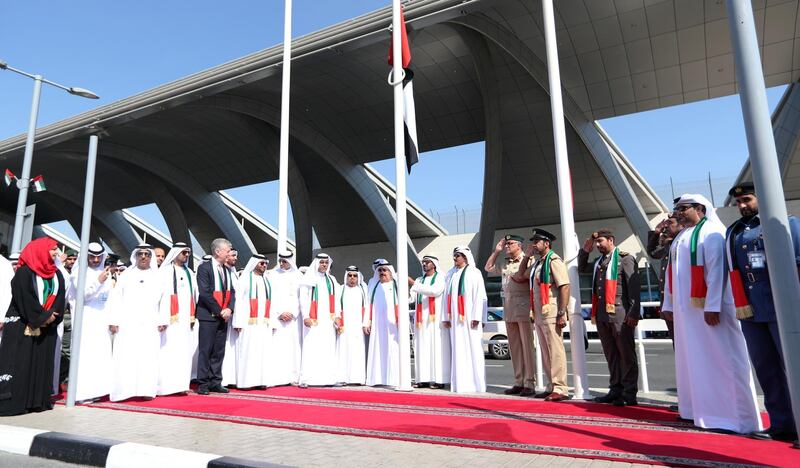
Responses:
[284,446]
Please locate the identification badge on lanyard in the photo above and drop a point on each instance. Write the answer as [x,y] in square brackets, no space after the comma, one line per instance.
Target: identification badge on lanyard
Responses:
[757,259]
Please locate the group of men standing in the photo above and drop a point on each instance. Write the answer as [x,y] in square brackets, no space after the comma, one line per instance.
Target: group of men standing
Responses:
[159,327]
[717,300]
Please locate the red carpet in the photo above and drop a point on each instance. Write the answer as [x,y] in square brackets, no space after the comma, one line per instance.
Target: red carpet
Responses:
[643,434]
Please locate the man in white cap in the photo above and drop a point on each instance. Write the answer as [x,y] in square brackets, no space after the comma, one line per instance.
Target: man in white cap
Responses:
[253,322]
[431,338]
[380,323]
[318,295]
[136,324]
[465,312]
[177,306]
[350,351]
[94,379]
[286,340]
[715,385]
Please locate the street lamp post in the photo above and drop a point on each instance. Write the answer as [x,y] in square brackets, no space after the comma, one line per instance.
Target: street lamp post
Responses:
[23,182]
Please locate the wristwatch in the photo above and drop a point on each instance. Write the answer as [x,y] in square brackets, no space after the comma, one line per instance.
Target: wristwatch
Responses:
[561,313]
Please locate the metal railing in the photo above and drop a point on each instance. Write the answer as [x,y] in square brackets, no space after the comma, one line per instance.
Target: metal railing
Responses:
[644,325]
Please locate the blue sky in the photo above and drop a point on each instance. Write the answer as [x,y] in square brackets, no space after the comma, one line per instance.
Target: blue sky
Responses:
[117,49]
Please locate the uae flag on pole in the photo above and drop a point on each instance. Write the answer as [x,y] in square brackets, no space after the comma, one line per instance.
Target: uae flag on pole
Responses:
[10,177]
[38,184]
[409,114]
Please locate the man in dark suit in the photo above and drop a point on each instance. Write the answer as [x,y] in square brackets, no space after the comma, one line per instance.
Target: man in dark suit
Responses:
[217,299]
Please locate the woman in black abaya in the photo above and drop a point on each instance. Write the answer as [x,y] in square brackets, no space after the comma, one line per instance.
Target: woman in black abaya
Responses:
[29,335]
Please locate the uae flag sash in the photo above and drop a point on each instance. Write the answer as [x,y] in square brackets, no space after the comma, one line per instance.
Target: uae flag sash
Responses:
[341,307]
[174,307]
[49,290]
[312,313]
[612,279]
[394,294]
[698,287]
[743,308]
[545,278]
[223,298]
[460,298]
[253,319]
[431,303]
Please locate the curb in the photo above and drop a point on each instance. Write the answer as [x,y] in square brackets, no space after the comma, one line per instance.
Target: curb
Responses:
[95,451]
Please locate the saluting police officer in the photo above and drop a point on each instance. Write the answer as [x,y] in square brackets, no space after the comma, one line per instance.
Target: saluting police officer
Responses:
[516,311]
[747,264]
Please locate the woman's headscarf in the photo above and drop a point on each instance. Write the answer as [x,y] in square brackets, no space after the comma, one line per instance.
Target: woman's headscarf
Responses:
[37,256]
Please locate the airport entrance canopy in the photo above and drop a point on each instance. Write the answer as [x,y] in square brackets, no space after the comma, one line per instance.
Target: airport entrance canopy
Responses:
[479,75]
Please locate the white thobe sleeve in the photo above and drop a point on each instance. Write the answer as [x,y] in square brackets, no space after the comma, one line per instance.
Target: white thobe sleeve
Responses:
[714,269]
[436,289]
[305,301]
[115,304]
[241,314]
[480,302]
[165,301]
[666,302]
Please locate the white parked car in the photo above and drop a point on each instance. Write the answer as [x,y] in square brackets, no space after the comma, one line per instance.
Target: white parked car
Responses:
[495,338]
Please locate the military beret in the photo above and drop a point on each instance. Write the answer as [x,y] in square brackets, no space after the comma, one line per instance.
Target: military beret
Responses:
[541,234]
[745,188]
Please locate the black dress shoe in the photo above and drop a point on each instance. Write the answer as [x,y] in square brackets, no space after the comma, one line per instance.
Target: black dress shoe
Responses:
[218,389]
[542,395]
[618,402]
[526,392]
[760,435]
[513,390]
[606,398]
[202,390]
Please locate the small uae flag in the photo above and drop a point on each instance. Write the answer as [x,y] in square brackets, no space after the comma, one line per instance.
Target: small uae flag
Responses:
[10,177]
[38,184]
[409,114]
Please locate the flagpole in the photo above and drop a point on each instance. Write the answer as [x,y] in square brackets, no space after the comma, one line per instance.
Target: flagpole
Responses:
[83,266]
[400,208]
[283,164]
[565,200]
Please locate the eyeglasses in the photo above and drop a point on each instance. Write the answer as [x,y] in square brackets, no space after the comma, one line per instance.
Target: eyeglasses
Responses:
[352,275]
[144,254]
[682,208]
[383,270]
[262,263]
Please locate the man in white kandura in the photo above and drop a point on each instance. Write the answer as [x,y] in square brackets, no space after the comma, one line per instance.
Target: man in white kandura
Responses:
[229,363]
[137,324]
[715,386]
[94,367]
[351,354]
[318,295]
[177,307]
[383,359]
[253,322]
[286,306]
[465,312]
[431,338]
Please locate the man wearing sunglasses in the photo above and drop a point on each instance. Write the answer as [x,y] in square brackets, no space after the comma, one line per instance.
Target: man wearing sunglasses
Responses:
[136,323]
[715,386]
